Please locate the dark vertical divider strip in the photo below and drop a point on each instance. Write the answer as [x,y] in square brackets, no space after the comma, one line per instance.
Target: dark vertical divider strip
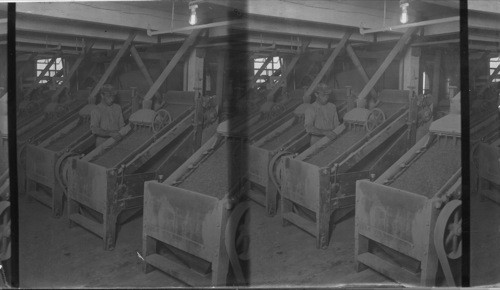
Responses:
[11,88]
[464,77]
[237,77]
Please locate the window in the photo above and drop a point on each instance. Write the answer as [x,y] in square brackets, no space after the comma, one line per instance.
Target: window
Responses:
[54,68]
[270,69]
[494,62]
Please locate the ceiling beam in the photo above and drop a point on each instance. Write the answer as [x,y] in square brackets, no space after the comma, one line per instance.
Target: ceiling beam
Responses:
[106,13]
[300,29]
[41,40]
[58,27]
[484,6]
[345,13]
[483,21]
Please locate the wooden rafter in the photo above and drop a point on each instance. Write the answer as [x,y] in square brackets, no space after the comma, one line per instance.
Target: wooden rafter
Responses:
[288,70]
[261,69]
[73,69]
[490,80]
[39,77]
[359,67]
[142,67]
[171,65]
[111,68]
[327,65]
[385,64]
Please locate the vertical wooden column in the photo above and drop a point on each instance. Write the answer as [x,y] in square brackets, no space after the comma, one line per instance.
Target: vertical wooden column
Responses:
[411,68]
[436,85]
[195,83]
[221,62]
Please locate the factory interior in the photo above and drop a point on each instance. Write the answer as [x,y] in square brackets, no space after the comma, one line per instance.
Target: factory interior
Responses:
[221,172]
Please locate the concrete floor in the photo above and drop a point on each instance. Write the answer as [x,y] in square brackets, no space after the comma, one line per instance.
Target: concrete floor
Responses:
[53,255]
[484,241]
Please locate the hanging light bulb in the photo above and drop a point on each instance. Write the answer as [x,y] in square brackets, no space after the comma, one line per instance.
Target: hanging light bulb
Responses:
[404,13]
[193,19]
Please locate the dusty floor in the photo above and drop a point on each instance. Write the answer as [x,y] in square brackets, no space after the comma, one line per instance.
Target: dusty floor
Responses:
[53,255]
[484,241]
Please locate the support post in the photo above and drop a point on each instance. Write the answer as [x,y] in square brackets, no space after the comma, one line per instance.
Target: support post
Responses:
[111,67]
[326,66]
[221,63]
[436,75]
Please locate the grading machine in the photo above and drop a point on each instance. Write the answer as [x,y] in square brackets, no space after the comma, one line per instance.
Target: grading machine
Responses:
[285,136]
[50,116]
[109,180]
[73,136]
[408,221]
[319,183]
[194,215]
[487,160]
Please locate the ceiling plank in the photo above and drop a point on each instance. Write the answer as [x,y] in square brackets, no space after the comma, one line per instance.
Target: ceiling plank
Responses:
[488,6]
[107,13]
[56,27]
[346,13]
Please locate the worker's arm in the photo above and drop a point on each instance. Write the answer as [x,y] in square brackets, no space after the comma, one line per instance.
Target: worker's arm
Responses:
[311,129]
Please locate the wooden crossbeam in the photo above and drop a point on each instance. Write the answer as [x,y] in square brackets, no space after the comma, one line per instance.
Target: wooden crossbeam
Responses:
[142,67]
[261,69]
[359,67]
[111,68]
[489,81]
[171,65]
[39,77]
[74,68]
[385,64]
[288,70]
[327,65]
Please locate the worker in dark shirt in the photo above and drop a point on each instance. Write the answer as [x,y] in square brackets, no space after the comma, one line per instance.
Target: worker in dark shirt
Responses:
[106,119]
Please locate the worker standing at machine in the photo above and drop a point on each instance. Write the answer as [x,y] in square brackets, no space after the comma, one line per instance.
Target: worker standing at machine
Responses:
[106,119]
[321,116]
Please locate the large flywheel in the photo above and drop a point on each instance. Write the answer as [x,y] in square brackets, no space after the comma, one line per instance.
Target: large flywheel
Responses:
[448,238]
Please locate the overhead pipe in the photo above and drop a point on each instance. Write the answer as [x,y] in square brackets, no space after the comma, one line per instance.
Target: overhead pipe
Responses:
[363,31]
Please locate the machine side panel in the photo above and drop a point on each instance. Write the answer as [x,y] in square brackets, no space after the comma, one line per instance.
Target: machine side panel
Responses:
[89,184]
[302,183]
[40,165]
[392,217]
[181,218]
